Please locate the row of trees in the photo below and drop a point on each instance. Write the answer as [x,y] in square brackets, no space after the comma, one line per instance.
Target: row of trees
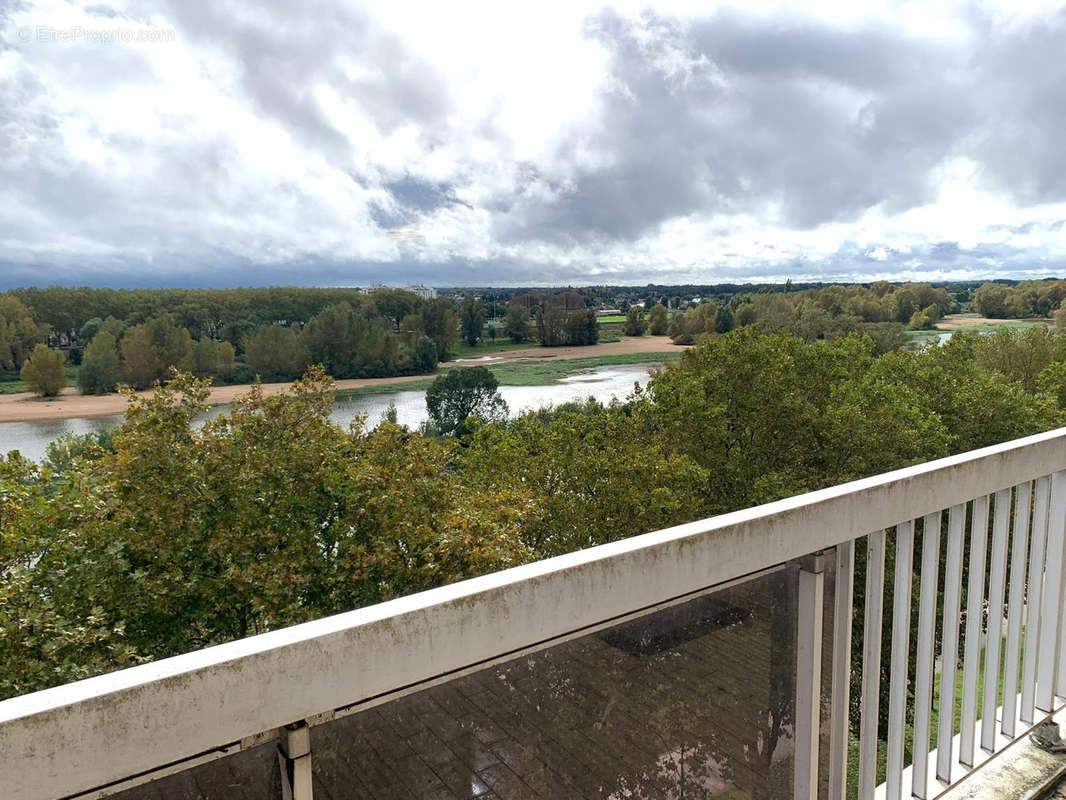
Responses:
[350,340]
[656,322]
[881,311]
[169,537]
[19,334]
[68,318]
[1023,299]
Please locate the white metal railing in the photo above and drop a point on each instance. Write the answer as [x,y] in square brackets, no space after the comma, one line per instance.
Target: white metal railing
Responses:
[99,735]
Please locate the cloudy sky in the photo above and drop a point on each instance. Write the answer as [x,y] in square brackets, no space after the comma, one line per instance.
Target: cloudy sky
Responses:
[220,143]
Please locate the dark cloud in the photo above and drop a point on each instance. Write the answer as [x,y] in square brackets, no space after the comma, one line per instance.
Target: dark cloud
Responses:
[739,114]
[790,121]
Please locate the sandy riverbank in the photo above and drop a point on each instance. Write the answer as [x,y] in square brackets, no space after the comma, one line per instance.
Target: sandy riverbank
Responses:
[25,407]
[953,322]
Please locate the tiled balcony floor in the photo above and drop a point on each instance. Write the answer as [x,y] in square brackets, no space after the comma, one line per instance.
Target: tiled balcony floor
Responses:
[693,702]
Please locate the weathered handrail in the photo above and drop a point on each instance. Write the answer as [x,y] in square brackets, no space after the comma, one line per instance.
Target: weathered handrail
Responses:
[94,732]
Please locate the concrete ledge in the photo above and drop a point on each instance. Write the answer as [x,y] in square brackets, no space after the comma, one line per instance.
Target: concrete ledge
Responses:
[1021,772]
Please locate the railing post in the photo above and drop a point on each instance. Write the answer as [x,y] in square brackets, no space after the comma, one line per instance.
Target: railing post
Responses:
[1051,607]
[923,664]
[871,662]
[974,630]
[808,677]
[295,762]
[844,579]
[897,685]
[949,652]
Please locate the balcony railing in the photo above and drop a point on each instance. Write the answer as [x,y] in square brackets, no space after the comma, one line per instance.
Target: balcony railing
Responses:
[717,653]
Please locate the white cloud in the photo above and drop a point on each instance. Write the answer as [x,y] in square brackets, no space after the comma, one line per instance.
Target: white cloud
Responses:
[538,143]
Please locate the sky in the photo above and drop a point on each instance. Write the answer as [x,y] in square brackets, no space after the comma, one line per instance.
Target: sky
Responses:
[221,143]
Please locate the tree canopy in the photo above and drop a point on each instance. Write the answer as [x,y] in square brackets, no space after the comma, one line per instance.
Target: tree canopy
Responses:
[168,535]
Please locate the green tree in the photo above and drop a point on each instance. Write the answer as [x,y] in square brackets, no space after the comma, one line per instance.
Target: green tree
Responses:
[925,319]
[635,324]
[100,370]
[275,353]
[203,358]
[44,372]
[19,334]
[992,300]
[140,361]
[472,317]
[227,365]
[89,330]
[581,327]
[516,322]
[723,322]
[441,324]
[461,393]
[658,320]
[551,326]
[149,351]
[424,358]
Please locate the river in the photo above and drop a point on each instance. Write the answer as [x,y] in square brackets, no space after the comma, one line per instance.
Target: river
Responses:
[604,383]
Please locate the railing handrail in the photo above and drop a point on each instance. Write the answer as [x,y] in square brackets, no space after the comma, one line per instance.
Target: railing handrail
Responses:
[93,732]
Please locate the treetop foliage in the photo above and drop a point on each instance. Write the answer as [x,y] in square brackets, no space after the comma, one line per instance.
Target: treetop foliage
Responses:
[167,537]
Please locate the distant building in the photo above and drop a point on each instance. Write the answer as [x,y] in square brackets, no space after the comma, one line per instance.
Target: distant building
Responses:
[425,292]
[374,287]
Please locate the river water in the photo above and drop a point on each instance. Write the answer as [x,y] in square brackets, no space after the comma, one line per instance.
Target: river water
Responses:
[604,383]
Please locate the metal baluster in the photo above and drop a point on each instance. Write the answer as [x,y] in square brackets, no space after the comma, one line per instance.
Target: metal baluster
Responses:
[901,629]
[1051,603]
[1019,552]
[974,615]
[923,681]
[842,610]
[949,648]
[871,662]
[997,580]
[1033,598]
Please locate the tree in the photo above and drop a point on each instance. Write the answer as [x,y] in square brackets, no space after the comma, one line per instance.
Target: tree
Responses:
[89,330]
[203,360]
[658,320]
[441,324]
[1060,318]
[472,319]
[635,323]
[18,333]
[150,350]
[516,322]
[227,365]
[461,393]
[395,304]
[424,358]
[44,372]
[100,370]
[275,353]
[551,326]
[723,322]
[581,327]
[140,362]
[925,320]
[991,300]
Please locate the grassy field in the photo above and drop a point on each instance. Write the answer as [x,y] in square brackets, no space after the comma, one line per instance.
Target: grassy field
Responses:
[535,373]
[11,384]
[487,347]
[611,318]
[919,337]
[519,373]
[1020,324]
